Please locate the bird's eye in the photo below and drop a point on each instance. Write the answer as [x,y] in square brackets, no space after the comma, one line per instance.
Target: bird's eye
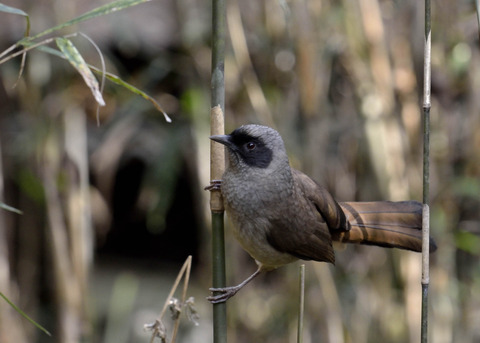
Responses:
[251,146]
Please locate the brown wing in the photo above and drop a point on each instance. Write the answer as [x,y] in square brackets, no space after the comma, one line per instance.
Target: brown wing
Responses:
[306,243]
[325,204]
[304,229]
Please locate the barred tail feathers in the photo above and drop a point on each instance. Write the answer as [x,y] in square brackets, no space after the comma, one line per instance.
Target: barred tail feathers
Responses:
[384,223]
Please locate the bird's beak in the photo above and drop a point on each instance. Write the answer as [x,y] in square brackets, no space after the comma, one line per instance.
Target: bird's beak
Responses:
[222,139]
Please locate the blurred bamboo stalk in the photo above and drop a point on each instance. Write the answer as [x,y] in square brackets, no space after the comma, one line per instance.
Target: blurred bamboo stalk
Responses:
[383,132]
[245,65]
[307,68]
[69,226]
[331,299]
[426,171]
[67,288]
[217,156]
[10,325]
[79,212]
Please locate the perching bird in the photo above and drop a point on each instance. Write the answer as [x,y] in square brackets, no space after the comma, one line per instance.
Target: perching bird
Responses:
[280,215]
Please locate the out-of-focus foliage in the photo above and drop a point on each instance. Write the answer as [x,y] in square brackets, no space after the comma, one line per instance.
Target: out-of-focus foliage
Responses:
[341,81]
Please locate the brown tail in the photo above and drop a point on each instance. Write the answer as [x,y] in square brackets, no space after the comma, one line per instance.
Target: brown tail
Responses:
[384,223]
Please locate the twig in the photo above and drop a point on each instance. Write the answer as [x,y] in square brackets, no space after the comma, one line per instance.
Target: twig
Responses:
[157,328]
[188,265]
[29,47]
[16,308]
[175,285]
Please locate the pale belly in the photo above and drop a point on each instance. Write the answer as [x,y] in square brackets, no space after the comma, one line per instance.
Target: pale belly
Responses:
[251,234]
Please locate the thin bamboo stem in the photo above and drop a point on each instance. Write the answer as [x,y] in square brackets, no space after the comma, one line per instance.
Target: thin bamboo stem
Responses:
[426,173]
[218,164]
[301,301]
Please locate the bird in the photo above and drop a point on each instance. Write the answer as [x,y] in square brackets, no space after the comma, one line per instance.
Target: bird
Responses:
[281,215]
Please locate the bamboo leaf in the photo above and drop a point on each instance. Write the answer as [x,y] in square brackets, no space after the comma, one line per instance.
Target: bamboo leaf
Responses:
[24,314]
[102,60]
[51,51]
[117,80]
[76,60]
[12,10]
[99,11]
[10,208]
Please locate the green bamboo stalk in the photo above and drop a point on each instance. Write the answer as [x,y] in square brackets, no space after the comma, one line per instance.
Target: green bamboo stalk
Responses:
[218,165]
[218,265]
[426,173]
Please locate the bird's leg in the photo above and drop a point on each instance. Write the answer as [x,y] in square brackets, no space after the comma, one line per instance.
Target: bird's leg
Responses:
[215,185]
[228,292]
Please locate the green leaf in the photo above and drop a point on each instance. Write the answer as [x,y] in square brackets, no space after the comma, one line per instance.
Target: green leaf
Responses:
[76,60]
[24,314]
[10,208]
[99,11]
[12,10]
[51,51]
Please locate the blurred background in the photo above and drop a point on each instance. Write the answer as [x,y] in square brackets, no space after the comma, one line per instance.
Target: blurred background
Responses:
[111,212]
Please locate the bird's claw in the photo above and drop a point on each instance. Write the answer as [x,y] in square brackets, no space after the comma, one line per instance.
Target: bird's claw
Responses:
[225,294]
[215,185]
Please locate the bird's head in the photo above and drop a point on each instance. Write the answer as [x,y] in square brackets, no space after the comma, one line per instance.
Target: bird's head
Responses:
[254,146]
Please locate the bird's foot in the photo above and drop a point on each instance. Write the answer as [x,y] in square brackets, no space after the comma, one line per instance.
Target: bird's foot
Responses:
[215,185]
[224,294]
[228,292]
